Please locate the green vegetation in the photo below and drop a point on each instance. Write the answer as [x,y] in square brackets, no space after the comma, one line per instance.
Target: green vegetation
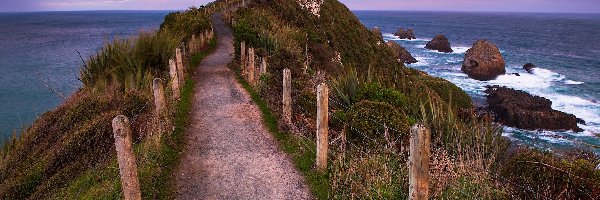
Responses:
[69,153]
[371,91]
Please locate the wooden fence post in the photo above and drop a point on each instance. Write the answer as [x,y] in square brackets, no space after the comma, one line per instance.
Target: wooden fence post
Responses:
[180,67]
[322,125]
[174,78]
[243,56]
[287,96]
[263,65]
[420,139]
[193,47]
[126,158]
[159,96]
[251,65]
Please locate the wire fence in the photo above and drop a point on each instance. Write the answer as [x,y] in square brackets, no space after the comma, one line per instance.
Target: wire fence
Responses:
[371,119]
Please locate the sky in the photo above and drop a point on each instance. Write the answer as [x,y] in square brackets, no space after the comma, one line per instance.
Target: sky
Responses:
[565,6]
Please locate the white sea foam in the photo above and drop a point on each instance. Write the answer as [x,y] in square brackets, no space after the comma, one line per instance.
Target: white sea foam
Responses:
[455,50]
[572,82]
[389,36]
[423,61]
[460,50]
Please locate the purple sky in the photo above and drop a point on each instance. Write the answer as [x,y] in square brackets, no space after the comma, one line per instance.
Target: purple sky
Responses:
[586,6]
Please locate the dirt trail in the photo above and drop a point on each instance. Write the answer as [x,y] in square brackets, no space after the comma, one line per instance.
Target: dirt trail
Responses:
[229,153]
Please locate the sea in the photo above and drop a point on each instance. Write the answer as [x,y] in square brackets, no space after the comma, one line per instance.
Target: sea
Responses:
[565,47]
[40,56]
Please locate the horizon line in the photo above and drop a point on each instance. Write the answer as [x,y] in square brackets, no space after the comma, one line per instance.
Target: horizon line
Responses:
[384,10]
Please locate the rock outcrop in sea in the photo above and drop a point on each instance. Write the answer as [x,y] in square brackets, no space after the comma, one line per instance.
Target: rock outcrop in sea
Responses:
[519,109]
[401,53]
[483,61]
[439,43]
[405,34]
[529,67]
[377,32]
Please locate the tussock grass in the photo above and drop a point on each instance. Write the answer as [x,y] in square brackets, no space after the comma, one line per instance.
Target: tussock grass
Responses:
[130,63]
[68,153]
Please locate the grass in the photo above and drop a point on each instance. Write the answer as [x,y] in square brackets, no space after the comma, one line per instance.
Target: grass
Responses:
[298,148]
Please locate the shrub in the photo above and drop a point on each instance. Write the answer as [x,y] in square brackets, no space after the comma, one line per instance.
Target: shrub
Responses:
[376,92]
[130,63]
[546,174]
[368,118]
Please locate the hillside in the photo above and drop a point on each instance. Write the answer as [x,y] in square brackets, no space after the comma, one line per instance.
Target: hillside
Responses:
[69,152]
[323,42]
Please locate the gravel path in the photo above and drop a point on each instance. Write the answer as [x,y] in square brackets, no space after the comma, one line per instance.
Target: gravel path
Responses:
[229,153]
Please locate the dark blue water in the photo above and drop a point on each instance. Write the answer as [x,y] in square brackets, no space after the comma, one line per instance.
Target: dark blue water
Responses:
[566,47]
[39,49]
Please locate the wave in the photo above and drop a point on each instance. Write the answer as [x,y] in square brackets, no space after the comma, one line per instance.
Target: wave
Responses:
[572,82]
[423,61]
[460,50]
[389,36]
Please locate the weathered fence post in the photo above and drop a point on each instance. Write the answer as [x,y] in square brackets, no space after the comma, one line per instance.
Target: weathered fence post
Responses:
[174,78]
[322,125]
[193,44]
[202,40]
[184,51]
[159,95]
[180,67]
[287,96]
[251,65]
[243,56]
[126,158]
[420,139]
[263,65]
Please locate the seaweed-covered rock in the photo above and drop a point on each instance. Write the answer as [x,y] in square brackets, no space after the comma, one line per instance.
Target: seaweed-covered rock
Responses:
[405,34]
[483,61]
[522,110]
[439,43]
[529,67]
[401,53]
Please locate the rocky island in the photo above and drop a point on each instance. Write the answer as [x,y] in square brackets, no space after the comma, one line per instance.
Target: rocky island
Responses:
[439,43]
[483,61]
[522,110]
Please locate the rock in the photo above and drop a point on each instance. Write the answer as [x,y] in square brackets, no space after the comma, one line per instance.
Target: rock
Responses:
[377,32]
[529,67]
[312,6]
[516,74]
[401,53]
[483,61]
[519,109]
[439,43]
[581,121]
[408,34]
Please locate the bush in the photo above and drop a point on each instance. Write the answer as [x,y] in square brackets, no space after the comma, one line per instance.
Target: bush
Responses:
[466,188]
[376,92]
[546,174]
[368,118]
[130,63]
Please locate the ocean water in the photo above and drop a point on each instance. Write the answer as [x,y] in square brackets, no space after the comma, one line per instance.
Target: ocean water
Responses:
[565,47]
[39,54]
